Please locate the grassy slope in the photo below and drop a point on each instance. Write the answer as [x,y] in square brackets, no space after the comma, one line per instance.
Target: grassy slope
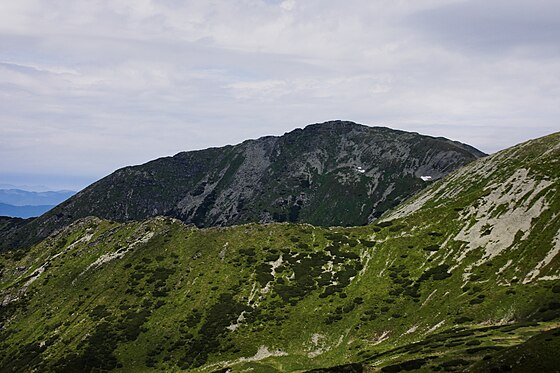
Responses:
[395,296]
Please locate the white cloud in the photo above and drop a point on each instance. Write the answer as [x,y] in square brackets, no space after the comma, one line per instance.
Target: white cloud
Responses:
[288,5]
[124,81]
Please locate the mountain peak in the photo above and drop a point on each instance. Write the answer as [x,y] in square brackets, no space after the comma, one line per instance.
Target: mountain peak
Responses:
[345,126]
[332,124]
[332,173]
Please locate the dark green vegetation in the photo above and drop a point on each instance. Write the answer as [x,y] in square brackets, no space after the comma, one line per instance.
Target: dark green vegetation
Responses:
[537,354]
[335,173]
[464,276]
[14,233]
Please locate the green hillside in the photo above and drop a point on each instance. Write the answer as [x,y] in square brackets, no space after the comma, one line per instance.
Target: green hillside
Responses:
[465,276]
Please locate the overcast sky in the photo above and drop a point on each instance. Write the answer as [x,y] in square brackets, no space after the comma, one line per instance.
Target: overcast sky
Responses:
[87,87]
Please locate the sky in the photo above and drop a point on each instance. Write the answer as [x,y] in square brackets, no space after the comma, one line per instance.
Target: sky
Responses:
[89,86]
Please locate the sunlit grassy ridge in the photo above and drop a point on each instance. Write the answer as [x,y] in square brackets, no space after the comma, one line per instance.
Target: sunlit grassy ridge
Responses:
[442,283]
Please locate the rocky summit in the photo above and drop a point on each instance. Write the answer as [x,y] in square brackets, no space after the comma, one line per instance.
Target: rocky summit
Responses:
[464,276]
[329,174]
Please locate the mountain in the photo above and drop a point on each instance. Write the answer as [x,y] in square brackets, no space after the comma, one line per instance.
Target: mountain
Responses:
[465,276]
[25,204]
[28,188]
[23,211]
[18,197]
[333,173]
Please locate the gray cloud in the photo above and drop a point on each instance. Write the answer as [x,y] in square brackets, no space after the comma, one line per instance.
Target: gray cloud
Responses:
[496,26]
[87,87]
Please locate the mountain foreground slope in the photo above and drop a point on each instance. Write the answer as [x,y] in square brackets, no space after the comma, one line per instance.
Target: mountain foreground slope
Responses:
[464,276]
[333,173]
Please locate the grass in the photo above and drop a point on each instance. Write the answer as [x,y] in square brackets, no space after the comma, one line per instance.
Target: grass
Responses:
[399,295]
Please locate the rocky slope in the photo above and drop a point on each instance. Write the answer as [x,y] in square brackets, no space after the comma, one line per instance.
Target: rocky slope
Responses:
[334,173]
[465,276]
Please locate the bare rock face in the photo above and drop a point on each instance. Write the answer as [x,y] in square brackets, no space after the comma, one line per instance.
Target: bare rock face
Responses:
[333,173]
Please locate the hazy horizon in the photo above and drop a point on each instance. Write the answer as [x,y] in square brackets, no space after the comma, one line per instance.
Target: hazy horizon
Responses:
[45,182]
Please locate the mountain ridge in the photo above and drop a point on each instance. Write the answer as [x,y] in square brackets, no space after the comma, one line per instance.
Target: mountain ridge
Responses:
[437,287]
[332,173]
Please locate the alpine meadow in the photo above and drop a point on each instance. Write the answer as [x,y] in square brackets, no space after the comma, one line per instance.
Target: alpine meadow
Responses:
[341,259]
[280,186]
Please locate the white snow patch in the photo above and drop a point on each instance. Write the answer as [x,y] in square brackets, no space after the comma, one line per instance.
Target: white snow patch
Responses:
[452,185]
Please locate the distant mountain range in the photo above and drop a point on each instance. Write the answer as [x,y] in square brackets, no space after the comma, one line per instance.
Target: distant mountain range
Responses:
[329,174]
[23,211]
[19,197]
[25,204]
[29,188]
